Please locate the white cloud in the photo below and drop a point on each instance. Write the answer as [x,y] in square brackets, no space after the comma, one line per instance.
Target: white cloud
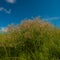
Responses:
[8,11]
[3,29]
[11,1]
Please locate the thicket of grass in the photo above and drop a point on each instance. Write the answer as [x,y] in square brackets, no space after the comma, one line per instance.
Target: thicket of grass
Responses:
[30,40]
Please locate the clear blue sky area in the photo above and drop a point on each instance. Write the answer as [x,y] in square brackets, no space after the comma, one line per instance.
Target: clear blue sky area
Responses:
[12,11]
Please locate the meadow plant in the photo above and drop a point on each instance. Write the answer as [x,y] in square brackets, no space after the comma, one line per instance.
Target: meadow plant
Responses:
[31,40]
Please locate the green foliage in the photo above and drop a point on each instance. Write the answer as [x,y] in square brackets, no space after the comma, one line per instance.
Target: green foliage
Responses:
[31,40]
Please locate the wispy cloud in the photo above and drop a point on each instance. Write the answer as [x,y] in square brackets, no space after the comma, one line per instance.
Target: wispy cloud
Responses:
[11,1]
[1,8]
[51,18]
[8,11]
[3,29]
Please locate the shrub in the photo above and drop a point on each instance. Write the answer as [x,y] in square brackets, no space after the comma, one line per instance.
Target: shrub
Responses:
[32,40]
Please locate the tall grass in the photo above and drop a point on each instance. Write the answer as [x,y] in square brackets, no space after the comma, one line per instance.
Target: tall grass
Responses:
[30,40]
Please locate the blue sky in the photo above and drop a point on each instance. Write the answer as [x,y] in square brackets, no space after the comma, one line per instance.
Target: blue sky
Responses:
[13,11]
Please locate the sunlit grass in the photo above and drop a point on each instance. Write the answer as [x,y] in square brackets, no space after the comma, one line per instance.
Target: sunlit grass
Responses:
[30,40]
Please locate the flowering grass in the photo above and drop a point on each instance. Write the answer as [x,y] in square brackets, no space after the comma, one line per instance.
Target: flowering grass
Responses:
[30,40]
